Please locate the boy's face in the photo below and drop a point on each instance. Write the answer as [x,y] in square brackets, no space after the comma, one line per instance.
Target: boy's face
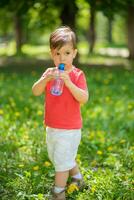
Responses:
[65,55]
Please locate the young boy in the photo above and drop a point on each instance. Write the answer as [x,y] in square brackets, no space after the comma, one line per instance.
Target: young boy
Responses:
[62,113]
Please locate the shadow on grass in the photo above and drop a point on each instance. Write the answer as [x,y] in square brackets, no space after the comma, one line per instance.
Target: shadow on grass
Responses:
[24,63]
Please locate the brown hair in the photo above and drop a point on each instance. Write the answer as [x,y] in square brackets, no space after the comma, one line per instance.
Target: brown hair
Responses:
[61,36]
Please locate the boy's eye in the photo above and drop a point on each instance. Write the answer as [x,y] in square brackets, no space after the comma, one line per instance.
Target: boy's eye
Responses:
[57,53]
[67,52]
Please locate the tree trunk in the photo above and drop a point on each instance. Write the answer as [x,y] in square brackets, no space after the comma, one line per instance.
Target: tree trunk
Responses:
[18,33]
[68,17]
[92,33]
[68,13]
[110,39]
[130,25]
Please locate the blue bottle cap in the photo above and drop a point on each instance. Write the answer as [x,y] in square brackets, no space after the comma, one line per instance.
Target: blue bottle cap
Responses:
[61,66]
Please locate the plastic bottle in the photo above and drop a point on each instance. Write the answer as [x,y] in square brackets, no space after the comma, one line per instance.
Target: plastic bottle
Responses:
[57,86]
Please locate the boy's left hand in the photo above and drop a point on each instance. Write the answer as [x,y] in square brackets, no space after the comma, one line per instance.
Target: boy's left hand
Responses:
[65,76]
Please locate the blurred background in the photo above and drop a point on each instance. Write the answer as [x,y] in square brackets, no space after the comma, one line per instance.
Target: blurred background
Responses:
[104,29]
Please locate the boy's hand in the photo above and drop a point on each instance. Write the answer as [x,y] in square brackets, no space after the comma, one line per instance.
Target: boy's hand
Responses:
[65,76]
[49,74]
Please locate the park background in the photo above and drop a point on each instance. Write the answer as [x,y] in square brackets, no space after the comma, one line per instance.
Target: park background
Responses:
[105,34]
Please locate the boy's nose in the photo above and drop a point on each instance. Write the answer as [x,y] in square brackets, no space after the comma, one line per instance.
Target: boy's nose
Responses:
[62,58]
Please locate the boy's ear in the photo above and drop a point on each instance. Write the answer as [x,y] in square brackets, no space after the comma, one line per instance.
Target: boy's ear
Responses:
[75,53]
[51,53]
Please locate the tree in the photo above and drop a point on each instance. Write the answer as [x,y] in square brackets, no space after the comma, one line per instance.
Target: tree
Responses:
[68,13]
[130,28]
[91,36]
[19,10]
[110,21]
[92,31]
[125,8]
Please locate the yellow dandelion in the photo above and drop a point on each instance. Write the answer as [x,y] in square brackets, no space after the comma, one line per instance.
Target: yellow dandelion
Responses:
[100,133]
[47,164]
[36,168]
[25,137]
[72,187]
[110,148]
[99,152]
[21,166]
[93,115]
[122,141]
[132,147]
[91,135]
[1,112]
[93,189]
[78,158]
[39,113]
[102,139]
[130,106]
[17,114]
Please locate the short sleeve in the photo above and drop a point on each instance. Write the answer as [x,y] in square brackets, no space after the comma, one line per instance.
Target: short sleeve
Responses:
[81,81]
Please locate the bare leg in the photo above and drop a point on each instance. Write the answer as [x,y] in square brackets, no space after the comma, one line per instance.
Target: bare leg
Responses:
[74,171]
[61,178]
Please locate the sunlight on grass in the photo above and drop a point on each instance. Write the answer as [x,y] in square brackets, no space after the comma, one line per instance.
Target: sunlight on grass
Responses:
[103,55]
[7,49]
[40,51]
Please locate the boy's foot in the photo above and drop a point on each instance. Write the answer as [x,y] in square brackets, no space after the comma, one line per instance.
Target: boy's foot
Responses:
[59,196]
[80,183]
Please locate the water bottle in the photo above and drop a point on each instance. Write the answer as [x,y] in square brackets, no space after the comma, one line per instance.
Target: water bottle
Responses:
[57,86]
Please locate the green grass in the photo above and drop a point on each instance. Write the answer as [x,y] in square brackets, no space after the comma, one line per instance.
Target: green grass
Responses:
[106,153]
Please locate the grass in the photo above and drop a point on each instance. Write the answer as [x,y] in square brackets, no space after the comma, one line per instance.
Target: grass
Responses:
[106,152]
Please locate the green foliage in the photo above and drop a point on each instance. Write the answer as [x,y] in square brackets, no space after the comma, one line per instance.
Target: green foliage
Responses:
[106,153]
[81,23]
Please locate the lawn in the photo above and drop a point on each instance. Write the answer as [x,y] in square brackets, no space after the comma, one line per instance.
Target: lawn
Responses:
[106,152]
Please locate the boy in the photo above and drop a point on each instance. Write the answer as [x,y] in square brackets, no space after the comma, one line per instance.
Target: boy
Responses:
[62,113]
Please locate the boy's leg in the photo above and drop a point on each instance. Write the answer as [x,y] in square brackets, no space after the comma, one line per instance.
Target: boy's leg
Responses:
[60,184]
[61,178]
[74,171]
[77,177]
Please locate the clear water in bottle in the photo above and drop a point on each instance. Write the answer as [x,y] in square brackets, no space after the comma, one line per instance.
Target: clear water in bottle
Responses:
[57,87]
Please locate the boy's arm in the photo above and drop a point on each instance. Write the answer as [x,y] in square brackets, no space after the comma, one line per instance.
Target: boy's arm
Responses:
[78,93]
[81,95]
[39,86]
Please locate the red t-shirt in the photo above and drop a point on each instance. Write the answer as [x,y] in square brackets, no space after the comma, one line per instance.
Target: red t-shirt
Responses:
[63,111]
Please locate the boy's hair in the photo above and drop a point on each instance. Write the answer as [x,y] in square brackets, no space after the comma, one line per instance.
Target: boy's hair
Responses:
[62,36]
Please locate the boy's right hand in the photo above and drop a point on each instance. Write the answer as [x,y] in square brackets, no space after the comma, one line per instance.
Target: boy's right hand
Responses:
[49,74]
[39,86]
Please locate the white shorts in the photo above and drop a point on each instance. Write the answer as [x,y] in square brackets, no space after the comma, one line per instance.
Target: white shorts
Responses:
[62,147]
